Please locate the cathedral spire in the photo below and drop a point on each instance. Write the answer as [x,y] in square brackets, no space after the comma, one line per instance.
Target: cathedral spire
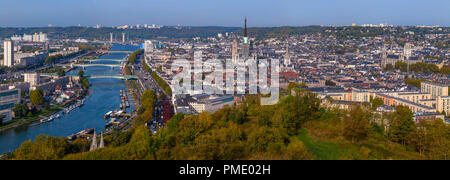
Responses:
[245,27]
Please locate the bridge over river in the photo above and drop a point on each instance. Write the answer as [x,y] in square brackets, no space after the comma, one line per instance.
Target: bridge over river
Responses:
[123,77]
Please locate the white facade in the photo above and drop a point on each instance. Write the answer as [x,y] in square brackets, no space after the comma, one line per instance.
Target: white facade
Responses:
[41,37]
[148,46]
[32,78]
[8,59]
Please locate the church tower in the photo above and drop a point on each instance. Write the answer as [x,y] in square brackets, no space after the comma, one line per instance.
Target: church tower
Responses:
[234,51]
[384,57]
[287,56]
[102,142]
[246,42]
[94,142]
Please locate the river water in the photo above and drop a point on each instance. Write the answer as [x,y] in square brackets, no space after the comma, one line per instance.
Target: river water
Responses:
[104,97]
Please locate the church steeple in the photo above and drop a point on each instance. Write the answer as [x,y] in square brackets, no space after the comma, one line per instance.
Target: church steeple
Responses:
[245,27]
[246,43]
[102,142]
[94,142]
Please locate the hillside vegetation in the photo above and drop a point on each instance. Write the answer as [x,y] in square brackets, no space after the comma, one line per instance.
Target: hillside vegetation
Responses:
[297,128]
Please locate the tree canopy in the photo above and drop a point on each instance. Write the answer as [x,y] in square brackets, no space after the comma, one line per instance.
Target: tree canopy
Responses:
[37,96]
[298,127]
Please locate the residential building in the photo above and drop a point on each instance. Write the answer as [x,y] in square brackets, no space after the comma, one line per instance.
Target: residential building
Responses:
[32,78]
[435,89]
[8,57]
[8,99]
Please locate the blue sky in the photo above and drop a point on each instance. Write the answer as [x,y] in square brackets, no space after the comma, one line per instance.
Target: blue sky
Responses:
[31,13]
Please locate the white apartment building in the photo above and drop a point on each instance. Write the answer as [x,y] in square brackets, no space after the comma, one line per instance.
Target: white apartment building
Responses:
[32,78]
[8,57]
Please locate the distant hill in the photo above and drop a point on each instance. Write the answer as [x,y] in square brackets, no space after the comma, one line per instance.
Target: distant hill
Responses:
[210,31]
[104,33]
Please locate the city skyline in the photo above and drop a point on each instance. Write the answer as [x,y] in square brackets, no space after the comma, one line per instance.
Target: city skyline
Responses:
[263,13]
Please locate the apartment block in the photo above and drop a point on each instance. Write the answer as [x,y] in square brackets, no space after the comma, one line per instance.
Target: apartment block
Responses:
[434,89]
[8,99]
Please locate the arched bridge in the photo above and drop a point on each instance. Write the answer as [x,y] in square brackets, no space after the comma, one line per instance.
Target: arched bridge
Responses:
[97,60]
[123,77]
[125,52]
[96,65]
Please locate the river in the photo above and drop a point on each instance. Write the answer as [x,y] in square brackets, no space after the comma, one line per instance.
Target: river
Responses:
[104,97]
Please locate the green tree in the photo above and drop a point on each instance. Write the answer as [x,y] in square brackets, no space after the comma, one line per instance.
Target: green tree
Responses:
[291,86]
[37,97]
[389,67]
[163,84]
[298,109]
[44,148]
[49,60]
[145,66]
[61,72]
[81,73]
[147,108]
[296,150]
[85,84]
[357,124]
[414,82]
[431,138]
[401,125]
[402,66]
[127,70]
[376,103]
[20,110]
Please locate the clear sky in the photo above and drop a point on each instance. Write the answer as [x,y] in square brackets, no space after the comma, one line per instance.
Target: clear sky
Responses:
[32,13]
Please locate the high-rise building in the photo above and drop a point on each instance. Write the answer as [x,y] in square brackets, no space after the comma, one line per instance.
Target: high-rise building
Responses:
[123,37]
[148,46]
[8,59]
[111,38]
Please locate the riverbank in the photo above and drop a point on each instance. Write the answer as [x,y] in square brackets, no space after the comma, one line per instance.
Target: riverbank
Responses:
[103,97]
[29,120]
[44,114]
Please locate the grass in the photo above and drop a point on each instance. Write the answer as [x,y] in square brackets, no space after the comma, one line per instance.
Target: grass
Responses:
[376,147]
[327,150]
